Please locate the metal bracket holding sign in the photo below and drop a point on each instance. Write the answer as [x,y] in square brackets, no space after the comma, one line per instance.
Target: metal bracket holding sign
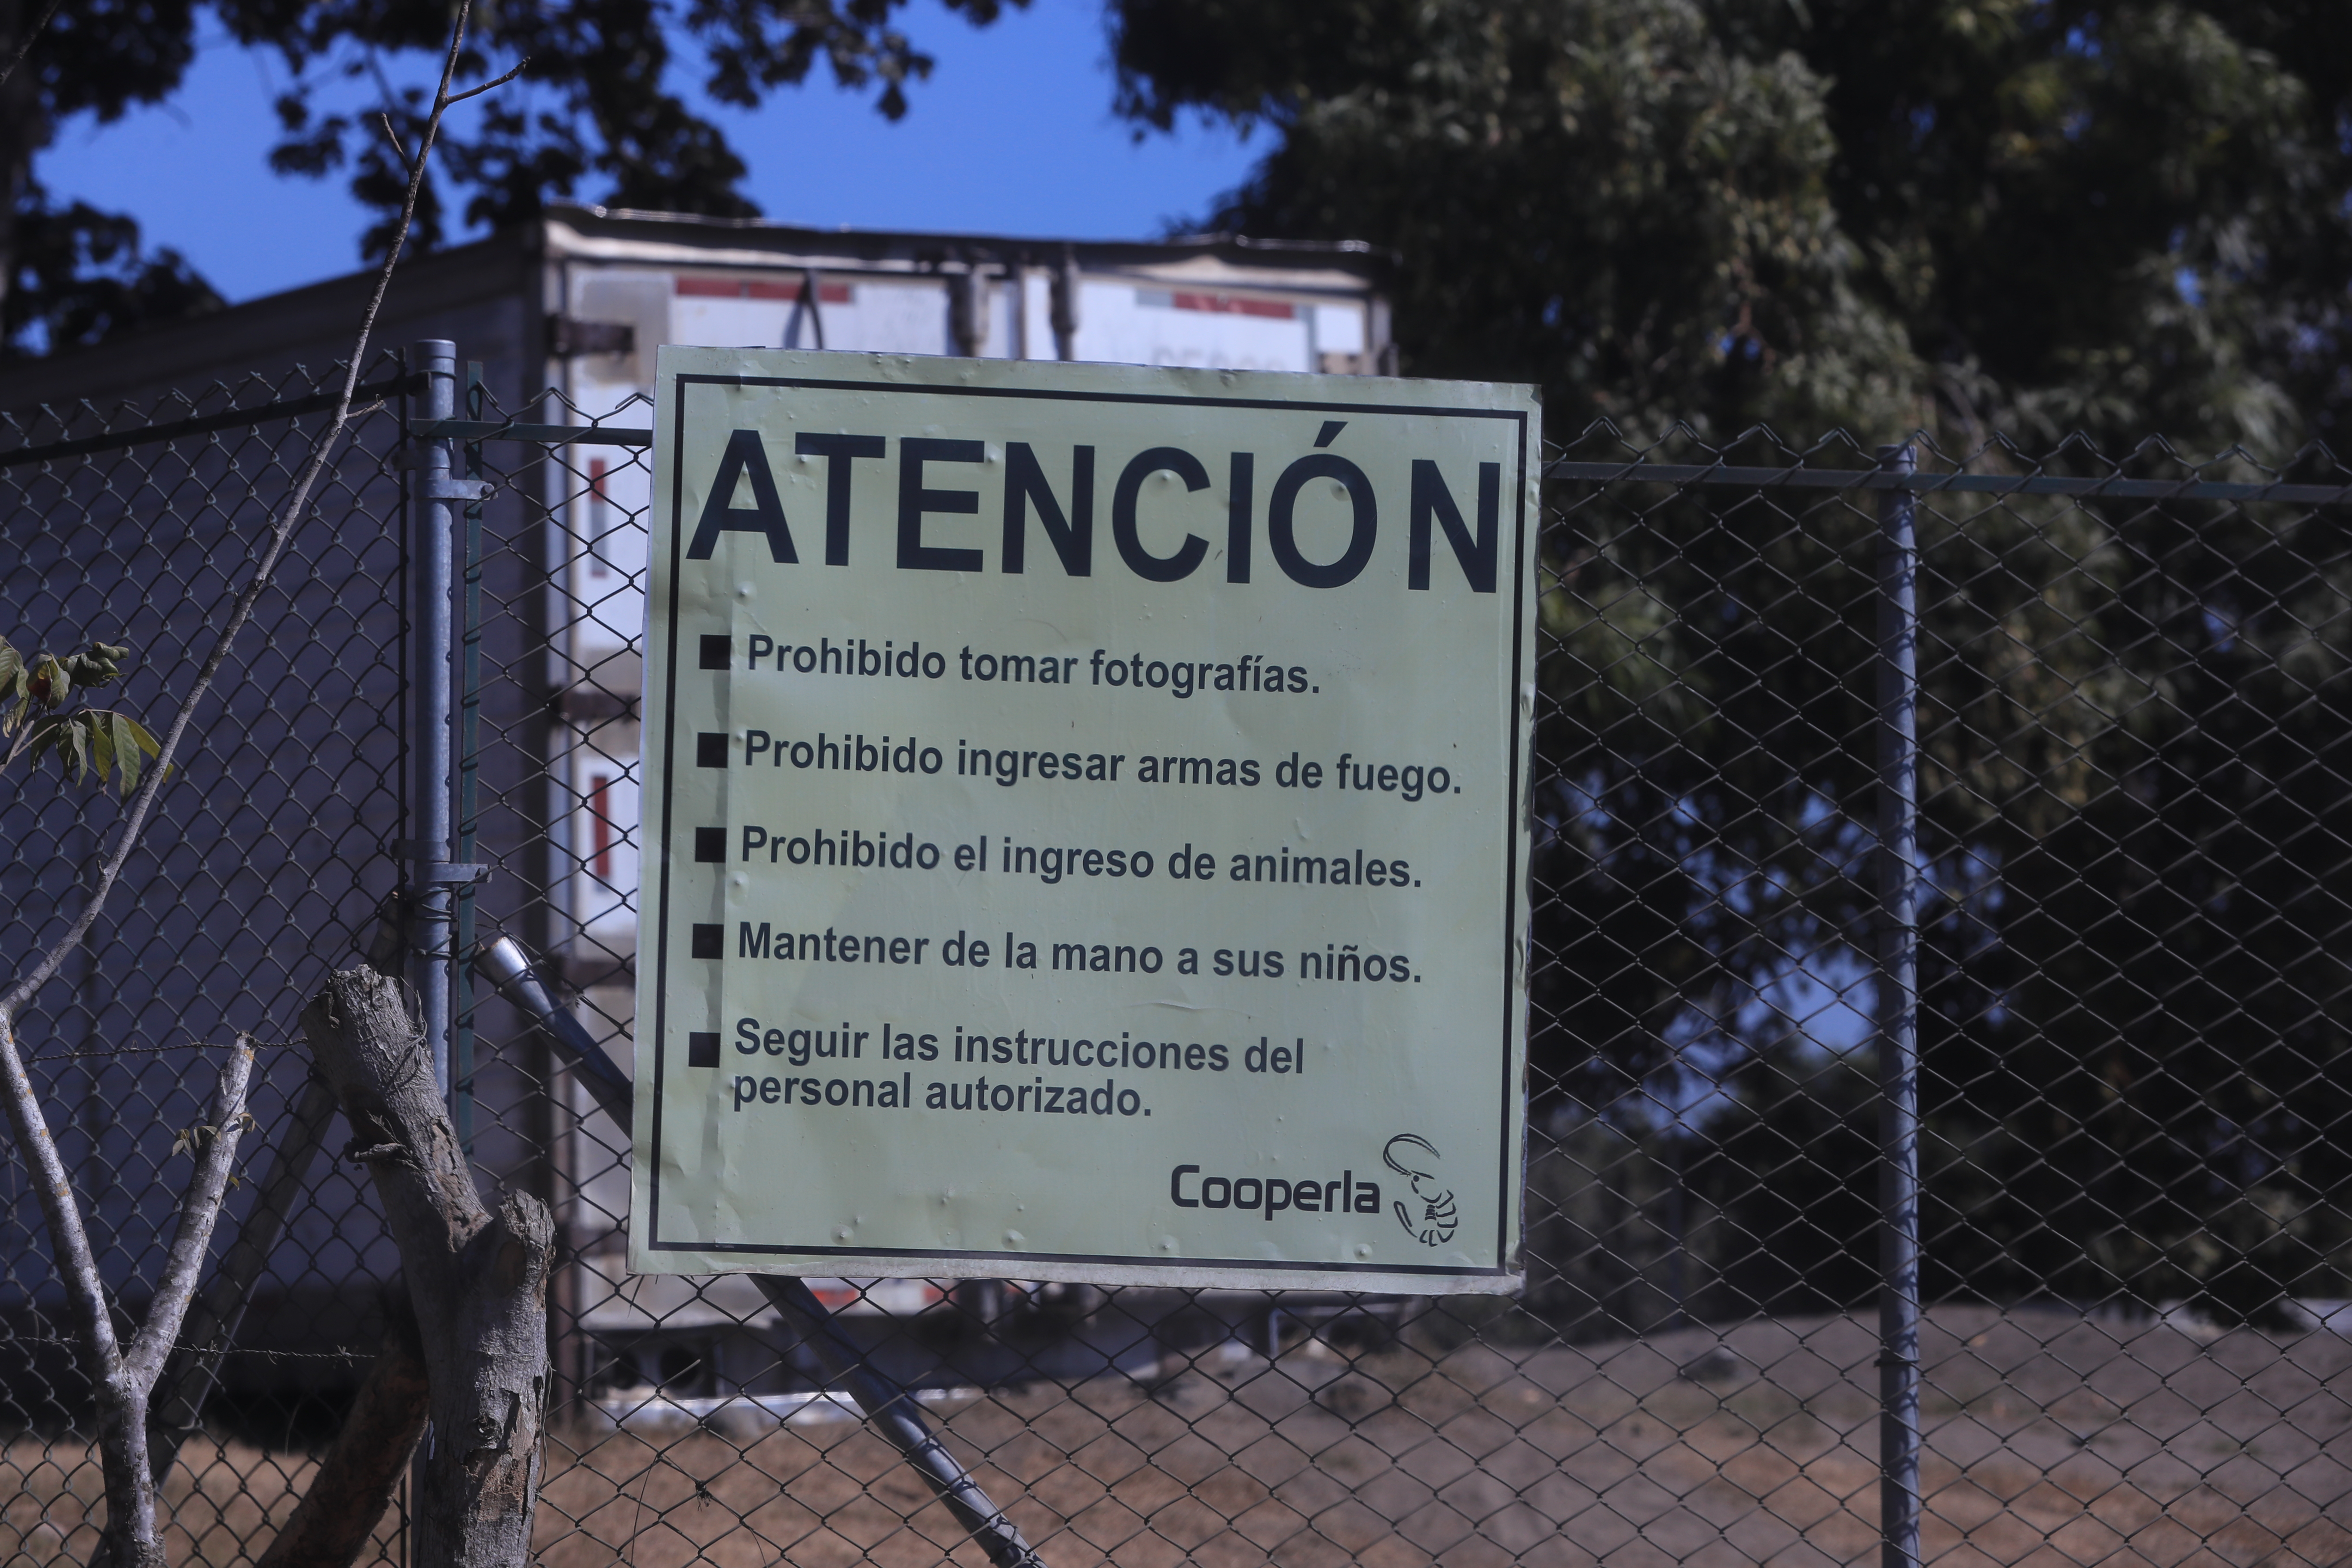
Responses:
[1087,823]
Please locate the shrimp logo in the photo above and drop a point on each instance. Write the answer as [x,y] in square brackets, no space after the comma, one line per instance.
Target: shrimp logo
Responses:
[1413,1157]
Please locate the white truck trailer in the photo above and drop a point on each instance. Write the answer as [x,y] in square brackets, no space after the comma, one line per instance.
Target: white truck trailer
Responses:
[617,284]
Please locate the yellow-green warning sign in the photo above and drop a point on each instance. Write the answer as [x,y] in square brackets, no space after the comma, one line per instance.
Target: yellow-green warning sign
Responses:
[1086,822]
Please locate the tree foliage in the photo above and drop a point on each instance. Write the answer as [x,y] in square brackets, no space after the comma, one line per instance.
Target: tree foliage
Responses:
[73,274]
[600,114]
[1965,217]
[1959,214]
[83,275]
[1601,197]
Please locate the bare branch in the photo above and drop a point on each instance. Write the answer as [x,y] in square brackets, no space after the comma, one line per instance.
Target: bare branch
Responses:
[200,1208]
[393,137]
[488,86]
[25,46]
[214,1317]
[85,1292]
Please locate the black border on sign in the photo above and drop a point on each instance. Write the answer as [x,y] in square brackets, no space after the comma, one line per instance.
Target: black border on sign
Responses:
[1513,939]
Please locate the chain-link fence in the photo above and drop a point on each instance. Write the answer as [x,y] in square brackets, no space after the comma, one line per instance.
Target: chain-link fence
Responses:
[261,871]
[2113,1057]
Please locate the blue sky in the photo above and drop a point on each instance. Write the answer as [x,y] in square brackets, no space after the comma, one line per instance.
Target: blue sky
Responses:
[1012,134]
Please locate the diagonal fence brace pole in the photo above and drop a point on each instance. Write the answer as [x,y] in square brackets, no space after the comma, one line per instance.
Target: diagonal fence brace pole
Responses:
[889,1407]
[1897,918]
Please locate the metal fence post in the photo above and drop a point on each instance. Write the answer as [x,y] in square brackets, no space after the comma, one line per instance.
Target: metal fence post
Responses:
[432,691]
[467,770]
[1898,920]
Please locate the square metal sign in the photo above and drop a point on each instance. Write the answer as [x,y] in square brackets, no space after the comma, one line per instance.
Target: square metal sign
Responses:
[1085,823]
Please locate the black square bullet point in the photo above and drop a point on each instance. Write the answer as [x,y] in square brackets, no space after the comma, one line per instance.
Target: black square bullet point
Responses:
[702,1047]
[710,845]
[710,749]
[718,652]
[709,941]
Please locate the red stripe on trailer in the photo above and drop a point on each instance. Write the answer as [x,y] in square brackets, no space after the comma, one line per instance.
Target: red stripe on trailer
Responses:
[1235,305]
[600,793]
[759,288]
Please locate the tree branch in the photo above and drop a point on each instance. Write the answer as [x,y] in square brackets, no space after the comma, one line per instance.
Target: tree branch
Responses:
[26,1118]
[85,1292]
[200,1208]
[178,1398]
[488,86]
[25,46]
[392,136]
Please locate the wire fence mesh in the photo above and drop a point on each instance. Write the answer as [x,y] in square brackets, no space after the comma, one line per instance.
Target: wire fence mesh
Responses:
[2137,1344]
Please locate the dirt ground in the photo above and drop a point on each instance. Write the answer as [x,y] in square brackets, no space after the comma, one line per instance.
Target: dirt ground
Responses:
[2051,1440]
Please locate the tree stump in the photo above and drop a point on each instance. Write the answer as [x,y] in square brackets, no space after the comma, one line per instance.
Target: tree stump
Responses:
[478,1278]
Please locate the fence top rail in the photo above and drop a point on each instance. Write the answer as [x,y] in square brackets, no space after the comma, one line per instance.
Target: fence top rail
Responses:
[1801,478]
[205,423]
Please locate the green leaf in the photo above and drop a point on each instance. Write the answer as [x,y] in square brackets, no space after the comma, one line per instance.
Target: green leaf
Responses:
[98,666]
[126,751]
[145,742]
[100,740]
[50,735]
[15,683]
